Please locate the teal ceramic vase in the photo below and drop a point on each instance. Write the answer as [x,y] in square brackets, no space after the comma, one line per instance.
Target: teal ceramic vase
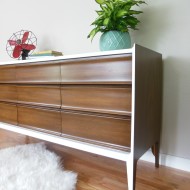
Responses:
[114,40]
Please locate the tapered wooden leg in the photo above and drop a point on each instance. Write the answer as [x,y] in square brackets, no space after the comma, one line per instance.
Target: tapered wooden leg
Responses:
[155,151]
[131,174]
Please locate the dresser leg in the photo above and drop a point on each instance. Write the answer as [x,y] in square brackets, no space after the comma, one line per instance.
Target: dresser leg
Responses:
[131,174]
[155,151]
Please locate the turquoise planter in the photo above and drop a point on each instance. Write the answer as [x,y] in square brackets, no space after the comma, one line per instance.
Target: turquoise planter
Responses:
[113,40]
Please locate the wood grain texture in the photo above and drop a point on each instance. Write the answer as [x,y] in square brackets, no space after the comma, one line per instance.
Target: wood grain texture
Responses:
[44,73]
[148,99]
[8,113]
[44,95]
[114,99]
[7,73]
[8,93]
[103,70]
[10,139]
[37,118]
[102,128]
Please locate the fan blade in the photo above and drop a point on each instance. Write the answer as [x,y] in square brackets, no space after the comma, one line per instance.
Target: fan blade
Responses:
[28,46]
[25,37]
[17,51]
[12,42]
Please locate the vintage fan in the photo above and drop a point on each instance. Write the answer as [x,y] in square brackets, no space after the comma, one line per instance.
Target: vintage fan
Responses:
[21,43]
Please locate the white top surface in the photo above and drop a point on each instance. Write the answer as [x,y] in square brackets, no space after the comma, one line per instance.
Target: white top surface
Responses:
[46,58]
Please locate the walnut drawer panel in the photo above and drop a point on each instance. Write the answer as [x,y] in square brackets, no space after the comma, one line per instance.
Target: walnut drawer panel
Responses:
[8,113]
[97,127]
[114,99]
[8,93]
[7,73]
[46,95]
[98,70]
[47,120]
[34,73]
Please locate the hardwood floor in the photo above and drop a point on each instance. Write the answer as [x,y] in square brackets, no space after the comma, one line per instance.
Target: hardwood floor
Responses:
[164,178]
[99,173]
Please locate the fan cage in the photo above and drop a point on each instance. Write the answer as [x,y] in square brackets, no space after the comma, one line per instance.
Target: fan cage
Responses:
[18,36]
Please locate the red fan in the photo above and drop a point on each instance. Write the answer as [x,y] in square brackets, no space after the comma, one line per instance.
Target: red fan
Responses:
[21,43]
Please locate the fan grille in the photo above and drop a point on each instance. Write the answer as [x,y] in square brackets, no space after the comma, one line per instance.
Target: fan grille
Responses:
[17,36]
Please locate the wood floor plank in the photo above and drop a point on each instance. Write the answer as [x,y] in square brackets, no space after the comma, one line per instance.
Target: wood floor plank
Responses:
[99,173]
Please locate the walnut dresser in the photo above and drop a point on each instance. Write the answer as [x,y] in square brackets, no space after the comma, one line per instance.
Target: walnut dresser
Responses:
[106,103]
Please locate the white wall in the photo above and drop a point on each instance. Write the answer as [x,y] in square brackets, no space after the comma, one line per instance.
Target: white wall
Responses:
[59,25]
[64,25]
[165,28]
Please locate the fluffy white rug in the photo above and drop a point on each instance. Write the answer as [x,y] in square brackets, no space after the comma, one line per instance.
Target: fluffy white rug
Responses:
[33,167]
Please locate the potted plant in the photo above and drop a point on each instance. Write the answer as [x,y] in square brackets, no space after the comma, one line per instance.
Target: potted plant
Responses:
[114,20]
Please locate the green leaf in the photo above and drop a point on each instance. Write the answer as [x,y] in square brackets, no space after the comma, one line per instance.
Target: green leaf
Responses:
[104,8]
[98,21]
[100,1]
[122,25]
[127,7]
[131,12]
[141,2]
[121,13]
[109,4]
[132,21]
[106,21]
[100,12]
[93,33]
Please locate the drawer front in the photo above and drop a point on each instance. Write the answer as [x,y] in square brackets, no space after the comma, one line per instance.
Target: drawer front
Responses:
[47,73]
[97,70]
[40,95]
[98,98]
[8,93]
[8,113]
[100,128]
[7,74]
[40,119]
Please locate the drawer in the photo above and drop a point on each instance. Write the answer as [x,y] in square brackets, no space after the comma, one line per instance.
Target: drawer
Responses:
[8,113]
[46,120]
[97,70]
[115,99]
[101,128]
[8,93]
[34,73]
[7,74]
[40,95]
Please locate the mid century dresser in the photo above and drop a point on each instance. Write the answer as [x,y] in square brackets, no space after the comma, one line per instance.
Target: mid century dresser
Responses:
[106,103]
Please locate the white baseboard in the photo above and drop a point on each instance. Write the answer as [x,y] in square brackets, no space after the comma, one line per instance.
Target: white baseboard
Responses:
[170,161]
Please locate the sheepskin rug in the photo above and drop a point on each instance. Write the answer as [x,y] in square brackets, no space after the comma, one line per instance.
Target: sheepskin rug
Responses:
[33,167]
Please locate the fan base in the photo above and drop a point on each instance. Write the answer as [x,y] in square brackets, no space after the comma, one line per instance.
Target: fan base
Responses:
[24,54]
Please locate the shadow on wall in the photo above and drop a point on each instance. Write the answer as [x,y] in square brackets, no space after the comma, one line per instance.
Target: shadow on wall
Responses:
[176,107]
[153,25]
[45,43]
[170,111]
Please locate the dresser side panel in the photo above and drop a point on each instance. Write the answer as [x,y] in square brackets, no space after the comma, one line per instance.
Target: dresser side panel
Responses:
[148,99]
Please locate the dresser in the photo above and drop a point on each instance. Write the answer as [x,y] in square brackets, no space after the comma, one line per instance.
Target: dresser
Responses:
[105,103]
